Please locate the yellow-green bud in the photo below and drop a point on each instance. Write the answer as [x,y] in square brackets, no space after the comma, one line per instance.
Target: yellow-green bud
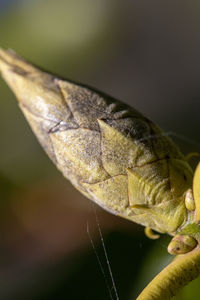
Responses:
[189,200]
[181,244]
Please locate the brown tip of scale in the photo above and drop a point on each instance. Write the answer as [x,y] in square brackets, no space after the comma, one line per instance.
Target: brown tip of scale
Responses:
[9,60]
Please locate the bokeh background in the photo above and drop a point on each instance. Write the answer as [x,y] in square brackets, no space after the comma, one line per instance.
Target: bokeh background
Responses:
[143,52]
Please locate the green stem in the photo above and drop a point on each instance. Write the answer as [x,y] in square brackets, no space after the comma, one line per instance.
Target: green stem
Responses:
[177,274]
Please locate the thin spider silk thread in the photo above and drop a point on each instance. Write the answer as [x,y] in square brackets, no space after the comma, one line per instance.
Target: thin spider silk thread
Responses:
[106,255]
[99,262]
[171,133]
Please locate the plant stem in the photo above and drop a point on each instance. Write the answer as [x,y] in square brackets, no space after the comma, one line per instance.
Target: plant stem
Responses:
[176,275]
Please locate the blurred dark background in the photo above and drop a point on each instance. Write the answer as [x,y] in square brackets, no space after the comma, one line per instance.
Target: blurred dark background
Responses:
[145,53]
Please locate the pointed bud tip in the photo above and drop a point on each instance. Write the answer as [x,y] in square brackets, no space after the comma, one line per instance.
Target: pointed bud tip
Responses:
[9,60]
[3,60]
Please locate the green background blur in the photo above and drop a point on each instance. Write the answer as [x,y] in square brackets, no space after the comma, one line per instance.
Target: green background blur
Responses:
[143,52]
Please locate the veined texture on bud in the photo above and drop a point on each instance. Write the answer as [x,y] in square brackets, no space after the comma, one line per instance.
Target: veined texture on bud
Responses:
[108,150]
[38,96]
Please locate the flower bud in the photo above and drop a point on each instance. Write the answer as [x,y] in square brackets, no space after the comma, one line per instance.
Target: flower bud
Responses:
[181,244]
